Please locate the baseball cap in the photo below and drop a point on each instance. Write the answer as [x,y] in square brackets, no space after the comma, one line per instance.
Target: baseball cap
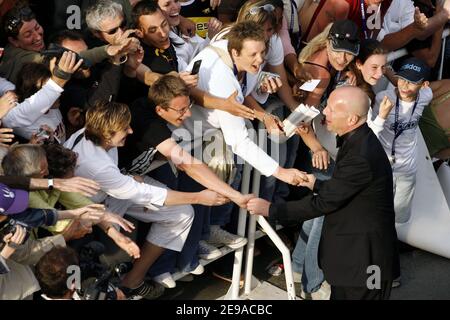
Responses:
[344,35]
[414,70]
[12,200]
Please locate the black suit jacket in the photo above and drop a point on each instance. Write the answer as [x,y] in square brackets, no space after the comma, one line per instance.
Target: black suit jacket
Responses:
[358,204]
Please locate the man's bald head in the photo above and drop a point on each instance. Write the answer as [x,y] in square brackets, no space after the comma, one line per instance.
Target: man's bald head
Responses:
[346,109]
[353,100]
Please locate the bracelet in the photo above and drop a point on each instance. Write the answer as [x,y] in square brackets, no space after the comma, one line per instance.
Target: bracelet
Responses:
[264,117]
[122,60]
[13,245]
[57,72]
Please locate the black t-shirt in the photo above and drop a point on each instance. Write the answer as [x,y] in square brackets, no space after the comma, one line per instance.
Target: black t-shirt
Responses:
[200,12]
[149,130]
[159,60]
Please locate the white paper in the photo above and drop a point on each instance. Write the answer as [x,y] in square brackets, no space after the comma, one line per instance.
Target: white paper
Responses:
[310,85]
[302,113]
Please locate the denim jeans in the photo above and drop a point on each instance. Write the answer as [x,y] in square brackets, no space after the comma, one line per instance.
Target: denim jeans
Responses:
[305,254]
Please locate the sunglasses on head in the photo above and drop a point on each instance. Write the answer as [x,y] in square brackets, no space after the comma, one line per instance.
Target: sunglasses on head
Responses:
[267,7]
[24,14]
[338,36]
[122,26]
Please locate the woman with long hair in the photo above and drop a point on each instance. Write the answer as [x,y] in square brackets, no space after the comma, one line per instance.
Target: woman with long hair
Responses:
[369,66]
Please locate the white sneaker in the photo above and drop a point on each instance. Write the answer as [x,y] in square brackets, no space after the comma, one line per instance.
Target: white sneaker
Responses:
[219,237]
[166,280]
[207,251]
[323,293]
[198,270]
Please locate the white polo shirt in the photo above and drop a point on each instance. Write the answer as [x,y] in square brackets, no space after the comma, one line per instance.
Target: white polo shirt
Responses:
[399,15]
[218,79]
[100,165]
[28,116]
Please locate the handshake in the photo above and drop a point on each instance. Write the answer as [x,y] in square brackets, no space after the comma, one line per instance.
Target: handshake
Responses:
[261,207]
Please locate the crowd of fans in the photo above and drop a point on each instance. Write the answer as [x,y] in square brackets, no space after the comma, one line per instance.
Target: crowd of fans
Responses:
[117,119]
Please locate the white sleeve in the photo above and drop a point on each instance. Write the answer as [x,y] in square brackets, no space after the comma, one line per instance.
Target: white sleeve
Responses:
[27,112]
[375,122]
[275,54]
[236,136]
[121,186]
[5,85]
[399,15]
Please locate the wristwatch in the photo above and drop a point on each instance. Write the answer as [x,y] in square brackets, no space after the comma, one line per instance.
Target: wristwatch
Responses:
[50,184]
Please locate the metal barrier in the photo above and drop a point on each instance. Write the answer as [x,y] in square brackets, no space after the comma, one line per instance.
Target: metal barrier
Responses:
[237,267]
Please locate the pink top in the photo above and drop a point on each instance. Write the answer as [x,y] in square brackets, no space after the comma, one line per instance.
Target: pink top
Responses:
[285,38]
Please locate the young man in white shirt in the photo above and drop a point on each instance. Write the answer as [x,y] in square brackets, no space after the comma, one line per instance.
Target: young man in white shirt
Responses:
[107,126]
[395,118]
[225,68]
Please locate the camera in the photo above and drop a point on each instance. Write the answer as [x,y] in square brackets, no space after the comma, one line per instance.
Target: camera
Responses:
[10,227]
[104,287]
[99,281]
[56,51]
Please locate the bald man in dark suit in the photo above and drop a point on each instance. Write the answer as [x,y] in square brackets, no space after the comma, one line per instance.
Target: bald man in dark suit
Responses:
[358,247]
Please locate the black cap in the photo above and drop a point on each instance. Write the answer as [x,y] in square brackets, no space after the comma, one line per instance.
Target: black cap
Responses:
[344,35]
[414,70]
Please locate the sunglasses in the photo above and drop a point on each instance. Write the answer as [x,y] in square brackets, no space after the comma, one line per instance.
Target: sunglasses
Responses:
[182,111]
[122,26]
[267,7]
[347,37]
[24,14]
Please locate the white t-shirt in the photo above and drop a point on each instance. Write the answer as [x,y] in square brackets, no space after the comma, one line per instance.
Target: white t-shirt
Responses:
[5,85]
[187,49]
[100,165]
[406,143]
[274,57]
[399,15]
[290,10]
[27,117]
[218,79]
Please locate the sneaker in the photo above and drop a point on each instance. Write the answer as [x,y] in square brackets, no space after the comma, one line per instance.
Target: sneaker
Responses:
[146,290]
[207,251]
[166,280]
[321,294]
[198,270]
[219,237]
[276,270]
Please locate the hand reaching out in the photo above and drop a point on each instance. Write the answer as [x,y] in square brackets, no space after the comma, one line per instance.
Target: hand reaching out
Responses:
[235,108]
[258,206]
[211,198]
[321,159]
[420,19]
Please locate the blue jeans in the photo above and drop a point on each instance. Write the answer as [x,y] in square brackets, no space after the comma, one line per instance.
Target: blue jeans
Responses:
[305,254]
